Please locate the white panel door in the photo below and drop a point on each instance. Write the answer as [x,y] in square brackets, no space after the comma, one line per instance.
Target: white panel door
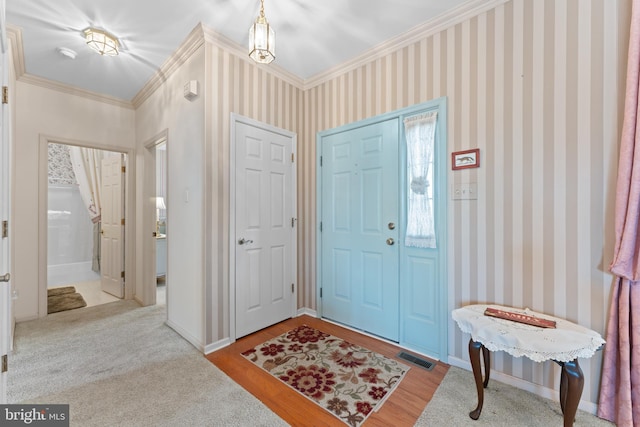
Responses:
[6,312]
[112,217]
[264,228]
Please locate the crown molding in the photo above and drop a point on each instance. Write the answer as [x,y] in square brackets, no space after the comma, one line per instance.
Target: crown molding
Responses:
[14,34]
[191,44]
[234,48]
[71,90]
[452,17]
[198,36]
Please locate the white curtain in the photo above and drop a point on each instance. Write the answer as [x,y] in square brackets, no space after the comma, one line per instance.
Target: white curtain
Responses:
[86,163]
[420,132]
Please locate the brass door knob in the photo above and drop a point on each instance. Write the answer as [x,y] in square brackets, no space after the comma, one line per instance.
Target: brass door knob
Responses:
[390,241]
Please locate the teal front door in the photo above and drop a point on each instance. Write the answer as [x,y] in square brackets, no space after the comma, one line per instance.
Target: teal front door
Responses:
[359,220]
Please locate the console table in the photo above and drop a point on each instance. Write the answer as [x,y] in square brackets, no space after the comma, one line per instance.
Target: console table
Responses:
[563,344]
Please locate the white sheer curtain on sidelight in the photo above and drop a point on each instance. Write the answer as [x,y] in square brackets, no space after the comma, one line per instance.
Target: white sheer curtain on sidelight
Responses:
[420,133]
[86,163]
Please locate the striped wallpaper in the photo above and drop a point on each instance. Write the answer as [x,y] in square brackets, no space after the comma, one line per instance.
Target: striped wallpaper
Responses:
[237,86]
[537,86]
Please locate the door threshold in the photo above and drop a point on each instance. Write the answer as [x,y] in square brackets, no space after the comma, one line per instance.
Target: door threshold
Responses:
[379,338]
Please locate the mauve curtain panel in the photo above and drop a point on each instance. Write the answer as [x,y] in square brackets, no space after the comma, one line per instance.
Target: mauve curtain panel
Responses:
[620,387]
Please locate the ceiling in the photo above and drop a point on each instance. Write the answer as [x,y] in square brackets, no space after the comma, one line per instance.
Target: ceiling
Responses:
[311,36]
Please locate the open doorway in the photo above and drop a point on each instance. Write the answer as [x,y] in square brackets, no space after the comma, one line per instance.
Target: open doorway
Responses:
[82,216]
[161,222]
[156,226]
[80,204]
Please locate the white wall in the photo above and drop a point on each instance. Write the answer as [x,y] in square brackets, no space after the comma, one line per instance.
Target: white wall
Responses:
[184,121]
[70,237]
[41,111]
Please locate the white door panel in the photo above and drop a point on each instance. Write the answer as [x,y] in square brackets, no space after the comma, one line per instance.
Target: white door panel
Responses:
[264,244]
[112,233]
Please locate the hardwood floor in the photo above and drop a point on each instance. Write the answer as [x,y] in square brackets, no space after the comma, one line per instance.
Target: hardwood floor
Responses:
[402,408]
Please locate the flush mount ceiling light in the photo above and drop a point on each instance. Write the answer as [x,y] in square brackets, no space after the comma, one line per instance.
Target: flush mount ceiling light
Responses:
[101,41]
[262,39]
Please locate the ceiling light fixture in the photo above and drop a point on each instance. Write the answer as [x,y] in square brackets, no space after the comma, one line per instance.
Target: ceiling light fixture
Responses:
[262,39]
[101,41]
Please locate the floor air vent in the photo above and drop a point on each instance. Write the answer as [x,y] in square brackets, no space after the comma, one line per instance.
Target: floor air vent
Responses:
[416,360]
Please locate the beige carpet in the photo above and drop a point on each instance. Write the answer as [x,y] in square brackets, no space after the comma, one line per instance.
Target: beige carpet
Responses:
[504,405]
[118,364]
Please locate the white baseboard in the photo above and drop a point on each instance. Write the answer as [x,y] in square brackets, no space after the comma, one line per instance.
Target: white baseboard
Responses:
[26,318]
[306,311]
[184,334]
[215,346]
[536,389]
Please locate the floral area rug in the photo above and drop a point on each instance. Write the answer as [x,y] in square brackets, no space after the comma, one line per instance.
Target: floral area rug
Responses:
[345,379]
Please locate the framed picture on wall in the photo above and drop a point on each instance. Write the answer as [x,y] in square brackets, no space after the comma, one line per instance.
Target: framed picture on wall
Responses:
[465,159]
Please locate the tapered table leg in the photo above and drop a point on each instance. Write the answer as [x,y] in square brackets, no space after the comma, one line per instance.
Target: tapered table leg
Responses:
[571,384]
[474,356]
[487,365]
[563,387]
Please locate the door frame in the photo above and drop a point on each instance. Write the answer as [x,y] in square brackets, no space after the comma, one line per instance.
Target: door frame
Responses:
[7,320]
[129,214]
[236,118]
[149,279]
[441,212]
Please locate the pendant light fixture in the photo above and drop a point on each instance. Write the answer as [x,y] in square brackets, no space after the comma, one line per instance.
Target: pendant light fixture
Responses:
[262,39]
[101,41]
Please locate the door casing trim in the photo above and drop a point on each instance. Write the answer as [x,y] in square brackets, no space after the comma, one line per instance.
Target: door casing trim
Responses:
[129,213]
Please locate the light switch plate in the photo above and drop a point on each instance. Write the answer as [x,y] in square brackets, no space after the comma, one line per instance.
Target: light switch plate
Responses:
[466,191]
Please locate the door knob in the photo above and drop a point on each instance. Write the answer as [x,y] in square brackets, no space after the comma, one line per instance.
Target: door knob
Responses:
[390,241]
[5,277]
[244,241]
[392,226]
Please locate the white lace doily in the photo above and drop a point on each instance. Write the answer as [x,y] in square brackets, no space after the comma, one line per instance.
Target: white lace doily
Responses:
[564,343]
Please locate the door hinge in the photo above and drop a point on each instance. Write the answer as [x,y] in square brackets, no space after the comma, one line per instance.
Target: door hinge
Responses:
[292,157]
[124,169]
[292,288]
[122,275]
[320,292]
[320,161]
[5,94]
[122,221]
[5,229]
[5,363]
[321,226]
[293,222]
